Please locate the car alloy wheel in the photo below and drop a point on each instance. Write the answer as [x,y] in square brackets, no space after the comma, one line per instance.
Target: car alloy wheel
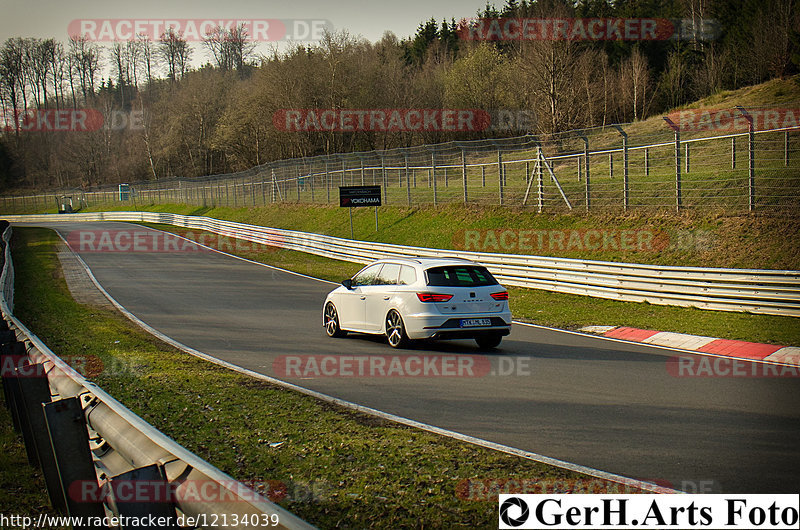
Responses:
[332,322]
[395,330]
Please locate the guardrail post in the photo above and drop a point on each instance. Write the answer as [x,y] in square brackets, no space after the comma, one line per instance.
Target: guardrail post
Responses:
[22,370]
[677,131]
[9,352]
[69,439]
[35,392]
[500,175]
[7,339]
[751,176]
[464,173]
[152,506]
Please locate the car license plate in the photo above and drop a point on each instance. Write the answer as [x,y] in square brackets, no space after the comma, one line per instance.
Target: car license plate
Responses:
[475,322]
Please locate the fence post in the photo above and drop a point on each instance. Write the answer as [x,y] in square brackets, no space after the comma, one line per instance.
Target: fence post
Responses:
[751,180]
[687,157]
[610,165]
[539,179]
[433,175]
[383,178]
[408,186]
[500,175]
[646,161]
[586,166]
[580,170]
[464,172]
[733,152]
[625,188]
[677,131]
[483,175]
[786,148]
[297,181]
[362,171]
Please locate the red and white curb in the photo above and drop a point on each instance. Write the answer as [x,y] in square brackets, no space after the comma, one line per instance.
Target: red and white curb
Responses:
[730,348]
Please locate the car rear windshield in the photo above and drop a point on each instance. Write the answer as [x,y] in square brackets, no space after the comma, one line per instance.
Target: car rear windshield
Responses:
[460,276]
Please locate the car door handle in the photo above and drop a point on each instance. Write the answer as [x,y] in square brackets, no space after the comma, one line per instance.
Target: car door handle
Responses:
[385,297]
[363,297]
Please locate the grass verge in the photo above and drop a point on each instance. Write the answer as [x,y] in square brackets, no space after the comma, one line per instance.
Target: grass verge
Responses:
[546,308]
[339,468]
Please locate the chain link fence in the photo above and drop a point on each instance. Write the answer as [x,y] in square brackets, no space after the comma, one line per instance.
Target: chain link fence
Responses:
[638,166]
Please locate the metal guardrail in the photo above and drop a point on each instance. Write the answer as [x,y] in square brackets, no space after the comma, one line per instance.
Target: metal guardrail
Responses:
[121,442]
[774,292]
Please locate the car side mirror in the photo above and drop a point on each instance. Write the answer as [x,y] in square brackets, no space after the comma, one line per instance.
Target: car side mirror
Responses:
[348,283]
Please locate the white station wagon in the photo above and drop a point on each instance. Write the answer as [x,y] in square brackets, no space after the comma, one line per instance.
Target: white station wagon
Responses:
[420,298]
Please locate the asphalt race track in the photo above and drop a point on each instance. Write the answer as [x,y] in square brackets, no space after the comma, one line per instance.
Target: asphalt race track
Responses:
[608,405]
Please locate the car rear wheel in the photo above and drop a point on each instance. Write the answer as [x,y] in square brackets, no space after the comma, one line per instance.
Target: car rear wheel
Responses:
[331,318]
[489,341]
[396,330]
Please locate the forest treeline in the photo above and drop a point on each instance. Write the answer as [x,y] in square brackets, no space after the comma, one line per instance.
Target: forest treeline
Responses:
[164,118]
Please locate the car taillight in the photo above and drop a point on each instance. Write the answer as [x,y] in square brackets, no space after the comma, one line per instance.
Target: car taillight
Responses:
[500,296]
[433,297]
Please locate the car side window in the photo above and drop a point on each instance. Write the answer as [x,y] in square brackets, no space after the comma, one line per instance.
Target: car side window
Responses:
[367,276]
[388,274]
[407,275]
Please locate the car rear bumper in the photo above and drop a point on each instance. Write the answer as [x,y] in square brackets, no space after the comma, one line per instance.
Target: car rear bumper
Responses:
[449,327]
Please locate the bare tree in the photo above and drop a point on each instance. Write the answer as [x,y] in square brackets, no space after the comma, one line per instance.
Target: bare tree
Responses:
[11,77]
[86,63]
[176,52]
[149,58]
[230,48]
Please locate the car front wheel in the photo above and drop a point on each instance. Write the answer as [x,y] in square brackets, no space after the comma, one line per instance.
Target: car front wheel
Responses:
[331,320]
[395,330]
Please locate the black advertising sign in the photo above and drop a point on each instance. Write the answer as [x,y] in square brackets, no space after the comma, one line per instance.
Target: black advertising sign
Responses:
[356,196]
